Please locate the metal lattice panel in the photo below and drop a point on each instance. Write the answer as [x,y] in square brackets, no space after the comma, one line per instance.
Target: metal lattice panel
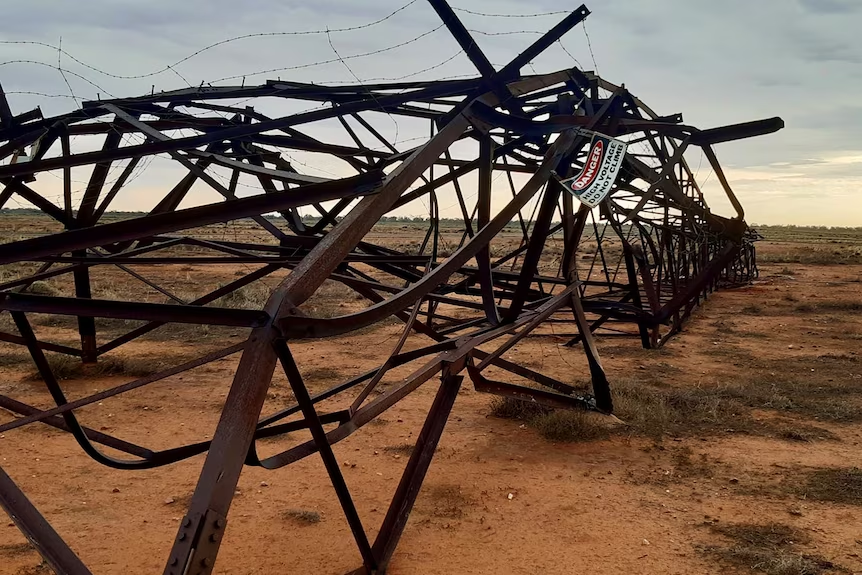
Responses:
[638,264]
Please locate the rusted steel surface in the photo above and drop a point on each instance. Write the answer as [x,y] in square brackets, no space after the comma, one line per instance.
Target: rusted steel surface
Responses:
[636,265]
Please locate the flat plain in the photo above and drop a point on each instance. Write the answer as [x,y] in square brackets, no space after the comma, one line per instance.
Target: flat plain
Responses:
[740,449]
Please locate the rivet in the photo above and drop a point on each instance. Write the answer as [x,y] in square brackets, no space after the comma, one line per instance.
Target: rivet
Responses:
[182,537]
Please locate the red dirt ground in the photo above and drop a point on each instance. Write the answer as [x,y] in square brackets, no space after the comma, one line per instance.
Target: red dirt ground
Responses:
[621,505]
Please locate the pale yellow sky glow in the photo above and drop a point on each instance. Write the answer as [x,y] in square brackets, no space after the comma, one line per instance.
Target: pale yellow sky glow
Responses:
[823,191]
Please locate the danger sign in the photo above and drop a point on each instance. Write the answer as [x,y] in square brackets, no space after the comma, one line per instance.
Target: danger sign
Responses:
[600,170]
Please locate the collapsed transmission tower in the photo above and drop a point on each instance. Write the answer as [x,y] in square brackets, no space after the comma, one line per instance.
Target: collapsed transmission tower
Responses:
[600,170]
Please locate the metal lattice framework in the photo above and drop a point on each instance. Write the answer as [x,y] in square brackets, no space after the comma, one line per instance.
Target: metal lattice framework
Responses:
[637,265]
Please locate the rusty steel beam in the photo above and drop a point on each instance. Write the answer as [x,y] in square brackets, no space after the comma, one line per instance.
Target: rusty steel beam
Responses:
[38,531]
[635,266]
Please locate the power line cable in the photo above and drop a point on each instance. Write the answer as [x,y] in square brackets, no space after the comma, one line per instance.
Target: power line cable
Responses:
[369,92]
[331,60]
[535,15]
[590,46]
[575,60]
[168,67]
[63,73]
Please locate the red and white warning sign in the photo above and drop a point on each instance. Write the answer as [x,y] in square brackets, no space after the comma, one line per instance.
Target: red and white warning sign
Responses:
[600,171]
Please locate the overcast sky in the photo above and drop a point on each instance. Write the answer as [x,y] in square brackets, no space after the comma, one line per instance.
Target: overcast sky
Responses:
[715,62]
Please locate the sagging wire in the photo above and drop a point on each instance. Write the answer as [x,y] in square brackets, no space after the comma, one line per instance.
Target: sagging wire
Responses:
[211,46]
[332,60]
[143,166]
[183,78]
[508,33]
[42,94]
[590,46]
[699,162]
[412,74]
[369,92]
[171,67]
[535,15]
[63,73]
[575,60]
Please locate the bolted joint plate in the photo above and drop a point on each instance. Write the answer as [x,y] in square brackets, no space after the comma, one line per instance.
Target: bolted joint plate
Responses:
[205,537]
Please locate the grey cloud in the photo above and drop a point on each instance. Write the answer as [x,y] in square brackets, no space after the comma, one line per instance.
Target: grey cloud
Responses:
[831,6]
[805,162]
[828,50]
[838,117]
[716,62]
[769,81]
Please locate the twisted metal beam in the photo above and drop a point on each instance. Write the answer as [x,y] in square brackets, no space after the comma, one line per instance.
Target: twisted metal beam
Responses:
[636,266]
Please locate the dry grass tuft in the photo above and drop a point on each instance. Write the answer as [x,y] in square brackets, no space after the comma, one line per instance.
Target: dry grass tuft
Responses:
[510,408]
[252,296]
[654,410]
[834,484]
[302,516]
[16,549]
[400,449]
[317,374]
[62,366]
[806,433]
[687,465]
[40,287]
[841,485]
[833,305]
[41,569]
[569,425]
[447,501]
[554,425]
[68,367]
[813,254]
[819,400]
[14,358]
[775,561]
[647,411]
[768,548]
[762,535]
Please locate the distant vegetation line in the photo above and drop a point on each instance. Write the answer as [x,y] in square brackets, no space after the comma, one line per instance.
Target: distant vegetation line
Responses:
[763,228]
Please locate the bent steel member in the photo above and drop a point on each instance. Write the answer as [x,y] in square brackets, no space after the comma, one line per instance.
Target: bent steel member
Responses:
[637,264]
